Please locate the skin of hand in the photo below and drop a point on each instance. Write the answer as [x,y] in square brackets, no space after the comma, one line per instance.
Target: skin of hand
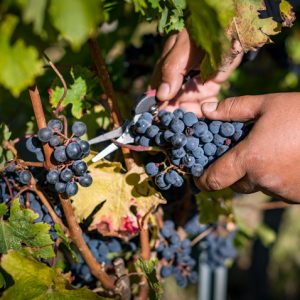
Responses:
[268,159]
[179,56]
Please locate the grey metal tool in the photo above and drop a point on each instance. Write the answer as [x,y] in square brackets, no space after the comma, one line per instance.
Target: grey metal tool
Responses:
[145,103]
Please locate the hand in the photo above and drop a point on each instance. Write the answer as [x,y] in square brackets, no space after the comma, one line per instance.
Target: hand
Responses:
[179,56]
[268,159]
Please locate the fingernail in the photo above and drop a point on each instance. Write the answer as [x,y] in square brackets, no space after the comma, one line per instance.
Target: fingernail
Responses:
[163,91]
[209,107]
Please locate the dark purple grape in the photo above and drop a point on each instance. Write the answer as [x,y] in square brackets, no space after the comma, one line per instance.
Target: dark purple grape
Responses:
[79,128]
[45,134]
[73,150]
[85,180]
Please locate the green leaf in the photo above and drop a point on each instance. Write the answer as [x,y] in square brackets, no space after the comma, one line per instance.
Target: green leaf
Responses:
[123,197]
[149,269]
[19,64]
[207,23]
[34,12]
[3,209]
[2,281]
[20,232]
[76,20]
[5,135]
[211,205]
[266,234]
[83,82]
[65,240]
[36,281]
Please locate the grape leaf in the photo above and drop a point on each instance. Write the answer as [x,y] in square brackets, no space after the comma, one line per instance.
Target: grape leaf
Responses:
[266,234]
[76,20]
[252,31]
[207,23]
[3,209]
[34,12]
[5,135]
[149,269]
[287,14]
[2,281]
[213,204]
[119,194]
[36,281]
[19,64]
[20,232]
[83,82]
[65,240]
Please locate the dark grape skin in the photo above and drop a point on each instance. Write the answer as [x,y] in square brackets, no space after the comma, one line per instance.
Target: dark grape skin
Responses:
[86,180]
[151,169]
[79,167]
[71,188]
[66,175]
[52,176]
[55,125]
[33,144]
[84,146]
[55,141]
[60,154]
[73,150]
[79,128]
[60,187]
[24,177]
[45,134]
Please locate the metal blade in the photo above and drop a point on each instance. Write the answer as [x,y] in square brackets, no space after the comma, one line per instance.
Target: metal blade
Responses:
[109,135]
[125,138]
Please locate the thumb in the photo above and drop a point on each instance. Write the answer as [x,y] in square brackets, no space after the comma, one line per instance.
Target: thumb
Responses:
[242,108]
[227,170]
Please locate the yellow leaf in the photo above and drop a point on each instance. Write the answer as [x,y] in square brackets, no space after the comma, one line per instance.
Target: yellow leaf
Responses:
[124,199]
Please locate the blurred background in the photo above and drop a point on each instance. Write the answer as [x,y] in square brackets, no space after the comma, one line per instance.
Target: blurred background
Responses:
[268,262]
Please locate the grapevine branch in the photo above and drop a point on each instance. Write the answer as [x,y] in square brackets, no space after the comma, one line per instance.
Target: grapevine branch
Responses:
[77,238]
[106,83]
[41,122]
[56,219]
[59,107]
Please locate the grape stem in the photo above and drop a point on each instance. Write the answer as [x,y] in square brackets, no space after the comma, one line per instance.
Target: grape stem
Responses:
[77,238]
[56,219]
[201,236]
[41,122]
[59,108]
[107,86]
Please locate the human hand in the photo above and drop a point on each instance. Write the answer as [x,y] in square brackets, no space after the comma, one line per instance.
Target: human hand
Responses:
[268,159]
[180,55]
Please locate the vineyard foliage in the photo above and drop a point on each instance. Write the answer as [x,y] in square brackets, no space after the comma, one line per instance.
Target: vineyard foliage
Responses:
[39,252]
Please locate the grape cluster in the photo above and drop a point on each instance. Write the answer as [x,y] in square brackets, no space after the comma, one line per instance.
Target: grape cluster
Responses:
[176,256]
[104,250]
[218,249]
[16,174]
[67,156]
[191,144]
[218,246]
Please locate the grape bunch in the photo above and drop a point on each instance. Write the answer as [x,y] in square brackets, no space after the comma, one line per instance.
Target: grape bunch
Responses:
[190,144]
[175,256]
[68,153]
[15,174]
[217,247]
[104,249]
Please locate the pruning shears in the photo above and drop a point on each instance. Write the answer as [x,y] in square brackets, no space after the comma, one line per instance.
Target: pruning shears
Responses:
[147,102]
